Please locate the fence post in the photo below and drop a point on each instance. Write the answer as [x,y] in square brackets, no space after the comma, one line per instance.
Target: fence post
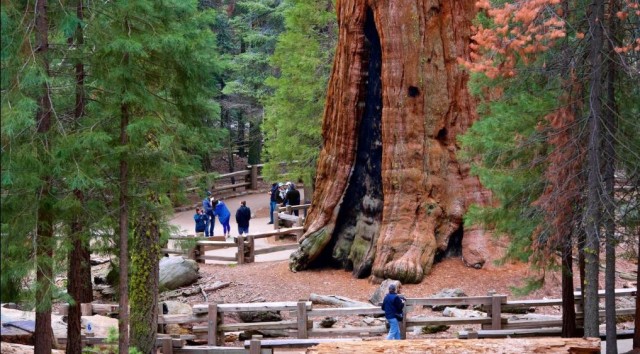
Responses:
[240,254]
[255,345]
[496,310]
[252,247]
[276,219]
[289,210]
[302,320]
[198,251]
[254,176]
[86,309]
[167,346]
[403,324]
[212,331]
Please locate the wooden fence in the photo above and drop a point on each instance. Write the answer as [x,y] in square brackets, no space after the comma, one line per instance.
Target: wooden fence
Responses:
[287,213]
[301,326]
[248,179]
[244,245]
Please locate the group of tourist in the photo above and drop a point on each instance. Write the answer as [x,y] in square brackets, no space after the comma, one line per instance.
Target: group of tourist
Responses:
[283,194]
[205,217]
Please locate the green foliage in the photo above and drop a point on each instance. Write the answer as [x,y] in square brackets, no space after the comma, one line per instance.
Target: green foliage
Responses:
[508,151]
[293,114]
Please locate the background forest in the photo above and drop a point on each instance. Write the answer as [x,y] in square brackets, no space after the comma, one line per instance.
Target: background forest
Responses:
[107,105]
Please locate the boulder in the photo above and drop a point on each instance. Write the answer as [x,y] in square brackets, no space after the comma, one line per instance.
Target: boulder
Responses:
[260,316]
[459,313]
[177,308]
[382,291]
[448,293]
[176,272]
[434,329]
[328,322]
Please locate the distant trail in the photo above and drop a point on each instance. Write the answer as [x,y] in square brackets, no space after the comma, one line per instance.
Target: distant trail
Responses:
[259,205]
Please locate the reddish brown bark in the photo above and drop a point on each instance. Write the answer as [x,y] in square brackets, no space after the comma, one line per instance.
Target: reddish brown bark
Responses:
[386,202]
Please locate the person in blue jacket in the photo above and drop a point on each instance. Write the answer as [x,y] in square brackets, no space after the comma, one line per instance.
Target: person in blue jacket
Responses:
[201,221]
[208,211]
[243,215]
[221,210]
[392,306]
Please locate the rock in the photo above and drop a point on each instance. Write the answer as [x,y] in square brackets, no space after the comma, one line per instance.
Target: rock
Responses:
[382,291]
[176,272]
[455,312]
[328,322]
[434,329]
[369,321]
[269,333]
[14,348]
[177,308]
[99,325]
[448,293]
[260,316]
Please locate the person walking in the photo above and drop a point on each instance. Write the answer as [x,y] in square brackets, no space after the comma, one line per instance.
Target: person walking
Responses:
[208,211]
[392,306]
[221,210]
[292,197]
[273,201]
[201,221]
[243,215]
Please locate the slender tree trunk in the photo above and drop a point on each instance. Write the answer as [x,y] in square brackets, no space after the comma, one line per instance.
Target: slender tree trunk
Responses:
[568,300]
[610,128]
[636,330]
[593,216]
[144,281]
[123,291]
[79,285]
[44,232]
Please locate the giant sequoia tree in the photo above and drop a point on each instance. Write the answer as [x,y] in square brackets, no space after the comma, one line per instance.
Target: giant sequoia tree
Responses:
[390,193]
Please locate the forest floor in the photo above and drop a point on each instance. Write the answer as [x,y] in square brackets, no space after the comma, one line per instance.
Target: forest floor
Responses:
[269,279]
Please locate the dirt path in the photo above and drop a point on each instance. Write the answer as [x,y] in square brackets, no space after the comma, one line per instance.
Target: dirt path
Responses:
[259,205]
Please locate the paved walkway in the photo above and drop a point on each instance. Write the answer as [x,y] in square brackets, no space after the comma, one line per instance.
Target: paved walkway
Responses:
[259,205]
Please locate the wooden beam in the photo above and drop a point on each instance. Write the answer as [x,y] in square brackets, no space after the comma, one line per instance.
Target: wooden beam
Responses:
[453,301]
[291,246]
[254,306]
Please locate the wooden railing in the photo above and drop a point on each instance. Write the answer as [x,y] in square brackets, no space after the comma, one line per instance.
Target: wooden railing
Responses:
[286,213]
[301,325]
[244,245]
[249,180]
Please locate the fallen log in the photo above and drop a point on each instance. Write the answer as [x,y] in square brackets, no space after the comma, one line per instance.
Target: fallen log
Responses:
[505,346]
[336,300]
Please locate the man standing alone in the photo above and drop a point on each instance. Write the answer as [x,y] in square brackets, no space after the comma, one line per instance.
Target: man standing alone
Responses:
[392,306]
[243,215]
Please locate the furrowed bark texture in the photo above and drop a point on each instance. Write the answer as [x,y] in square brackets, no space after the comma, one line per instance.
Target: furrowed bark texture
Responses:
[143,292]
[390,193]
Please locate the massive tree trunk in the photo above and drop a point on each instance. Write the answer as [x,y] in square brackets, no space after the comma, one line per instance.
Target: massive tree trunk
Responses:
[390,193]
